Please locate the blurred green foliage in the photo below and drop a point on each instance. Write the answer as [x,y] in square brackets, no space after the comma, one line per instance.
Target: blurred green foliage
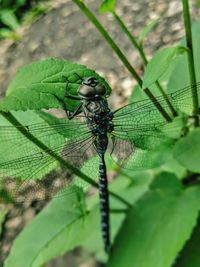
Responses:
[13,13]
[162,227]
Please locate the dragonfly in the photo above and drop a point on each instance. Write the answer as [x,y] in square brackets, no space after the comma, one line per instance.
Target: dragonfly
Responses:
[131,133]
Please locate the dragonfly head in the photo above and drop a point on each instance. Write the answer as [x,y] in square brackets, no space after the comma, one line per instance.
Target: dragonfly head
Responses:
[91,88]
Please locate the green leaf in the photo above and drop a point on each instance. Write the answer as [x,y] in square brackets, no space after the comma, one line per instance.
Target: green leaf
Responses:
[180,74]
[187,151]
[42,84]
[84,230]
[158,225]
[55,230]
[9,19]
[159,64]
[135,188]
[138,94]
[9,34]
[149,27]
[174,167]
[107,6]
[143,159]
[189,256]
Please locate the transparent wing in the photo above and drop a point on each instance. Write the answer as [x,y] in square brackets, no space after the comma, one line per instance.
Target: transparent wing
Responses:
[127,155]
[45,129]
[38,165]
[144,127]
[150,136]
[142,112]
[22,159]
[120,150]
[141,121]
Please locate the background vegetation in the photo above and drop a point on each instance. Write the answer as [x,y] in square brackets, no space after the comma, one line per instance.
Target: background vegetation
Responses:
[161,228]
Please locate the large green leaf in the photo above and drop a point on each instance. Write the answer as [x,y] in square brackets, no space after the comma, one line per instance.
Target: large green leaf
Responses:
[42,84]
[54,229]
[159,64]
[73,226]
[179,77]
[158,226]
[187,151]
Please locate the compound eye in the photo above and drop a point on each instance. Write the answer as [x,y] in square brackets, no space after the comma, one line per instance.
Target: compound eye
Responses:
[91,81]
[100,89]
[86,91]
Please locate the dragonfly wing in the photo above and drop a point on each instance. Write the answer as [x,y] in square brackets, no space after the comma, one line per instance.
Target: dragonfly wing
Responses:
[142,125]
[148,136]
[23,163]
[120,150]
[36,166]
[129,156]
[145,111]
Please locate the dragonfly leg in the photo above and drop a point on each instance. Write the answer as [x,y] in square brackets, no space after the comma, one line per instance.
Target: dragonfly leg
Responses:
[78,76]
[71,115]
[73,97]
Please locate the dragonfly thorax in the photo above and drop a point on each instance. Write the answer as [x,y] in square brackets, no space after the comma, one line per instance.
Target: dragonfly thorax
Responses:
[99,116]
[95,106]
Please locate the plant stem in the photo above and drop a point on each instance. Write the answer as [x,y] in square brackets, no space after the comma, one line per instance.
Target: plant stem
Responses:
[23,130]
[172,109]
[109,40]
[120,199]
[118,210]
[121,56]
[157,105]
[131,37]
[190,55]
[144,59]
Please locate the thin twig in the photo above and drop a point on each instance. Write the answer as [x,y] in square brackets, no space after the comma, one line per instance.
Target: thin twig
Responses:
[144,59]
[131,37]
[190,56]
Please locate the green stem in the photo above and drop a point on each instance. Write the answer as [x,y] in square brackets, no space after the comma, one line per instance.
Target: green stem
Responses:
[190,55]
[121,199]
[118,211]
[157,105]
[23,130]
[131,37]
[172,109]
[109,40]
[144,59]
[121,56]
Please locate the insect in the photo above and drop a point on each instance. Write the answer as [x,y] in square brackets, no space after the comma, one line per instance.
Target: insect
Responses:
[137,128]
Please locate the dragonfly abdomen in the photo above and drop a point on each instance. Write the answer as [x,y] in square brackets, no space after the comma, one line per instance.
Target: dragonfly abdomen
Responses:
[104,202]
